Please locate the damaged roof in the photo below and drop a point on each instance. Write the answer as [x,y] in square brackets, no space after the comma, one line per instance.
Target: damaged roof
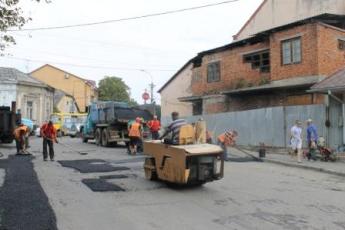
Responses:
[335,82]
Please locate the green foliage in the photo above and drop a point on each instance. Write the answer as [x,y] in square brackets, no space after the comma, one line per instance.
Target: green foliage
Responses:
[11,16]
[264,81]
[132,102]
[114,89]
[241,83]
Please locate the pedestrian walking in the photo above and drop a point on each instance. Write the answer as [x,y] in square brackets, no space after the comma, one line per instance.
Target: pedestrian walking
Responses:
[225,140]
[134,133]
[154,126]
[296,139]
[312,138]
[49,134]
[19,136]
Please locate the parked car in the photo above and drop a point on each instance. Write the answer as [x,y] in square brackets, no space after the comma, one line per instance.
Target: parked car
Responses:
[38,132]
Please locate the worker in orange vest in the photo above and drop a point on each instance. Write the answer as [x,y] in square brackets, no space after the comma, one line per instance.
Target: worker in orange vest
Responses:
[48,133]
[19,135]
[134,133]
[154,126]
[225,140]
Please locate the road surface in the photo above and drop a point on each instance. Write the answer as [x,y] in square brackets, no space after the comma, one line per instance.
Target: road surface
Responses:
[253,195]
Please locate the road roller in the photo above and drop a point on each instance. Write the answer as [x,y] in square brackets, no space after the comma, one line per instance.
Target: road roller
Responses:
[188,164]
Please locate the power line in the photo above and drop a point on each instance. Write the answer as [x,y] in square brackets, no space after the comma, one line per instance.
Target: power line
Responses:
[128,18]
[88,66]
[79,57]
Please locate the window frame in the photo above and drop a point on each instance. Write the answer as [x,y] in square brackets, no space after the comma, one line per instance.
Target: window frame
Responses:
[264,68]
[217,63]
[30,109]
[290,41]
[341,44]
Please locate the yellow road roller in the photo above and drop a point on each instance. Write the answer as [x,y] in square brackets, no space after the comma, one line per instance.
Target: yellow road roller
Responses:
[192,164]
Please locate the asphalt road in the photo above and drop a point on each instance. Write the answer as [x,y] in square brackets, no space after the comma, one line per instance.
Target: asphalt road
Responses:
[252,195]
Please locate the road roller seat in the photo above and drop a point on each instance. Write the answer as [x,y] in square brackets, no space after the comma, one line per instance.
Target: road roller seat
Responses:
[187,135]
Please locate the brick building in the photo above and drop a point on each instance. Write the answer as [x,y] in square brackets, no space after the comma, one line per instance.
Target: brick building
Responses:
[275,67]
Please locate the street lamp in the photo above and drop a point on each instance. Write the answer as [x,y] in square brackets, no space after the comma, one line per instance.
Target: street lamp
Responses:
[151,90]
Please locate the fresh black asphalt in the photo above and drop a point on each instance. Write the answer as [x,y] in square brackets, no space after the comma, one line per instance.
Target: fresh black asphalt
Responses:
[91,166]
[23,203]
[101,185]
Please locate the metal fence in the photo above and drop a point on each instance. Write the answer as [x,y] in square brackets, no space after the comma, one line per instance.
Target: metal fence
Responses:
[268,125]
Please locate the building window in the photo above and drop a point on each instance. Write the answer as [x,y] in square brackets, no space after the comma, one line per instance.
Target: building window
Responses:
[197,108]
[341,44]
[213,72]
[259,60]
[29,110]
[291,51]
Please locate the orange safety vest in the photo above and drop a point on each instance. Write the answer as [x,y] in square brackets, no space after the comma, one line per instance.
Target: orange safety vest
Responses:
[134,130]
[226,138]
[19,132]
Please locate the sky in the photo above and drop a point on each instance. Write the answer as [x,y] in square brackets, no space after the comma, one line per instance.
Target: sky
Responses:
[137,51]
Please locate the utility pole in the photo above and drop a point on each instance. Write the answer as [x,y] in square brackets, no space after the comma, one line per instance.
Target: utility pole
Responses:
[152,86]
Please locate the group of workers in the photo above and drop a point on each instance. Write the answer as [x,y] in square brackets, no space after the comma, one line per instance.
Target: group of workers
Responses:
[135,133]
[48,133]
[135,130]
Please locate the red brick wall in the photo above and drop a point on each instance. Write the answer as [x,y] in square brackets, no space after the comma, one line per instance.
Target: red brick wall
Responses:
[330,58]
[215,104]
[308,65]
[320,56]
[232,69]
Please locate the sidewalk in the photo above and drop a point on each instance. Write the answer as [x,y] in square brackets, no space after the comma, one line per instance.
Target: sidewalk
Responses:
[335,168]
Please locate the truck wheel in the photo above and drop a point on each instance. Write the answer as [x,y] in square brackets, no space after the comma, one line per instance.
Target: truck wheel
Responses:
[105,142]
[150,169]
[84,139]
[98,136]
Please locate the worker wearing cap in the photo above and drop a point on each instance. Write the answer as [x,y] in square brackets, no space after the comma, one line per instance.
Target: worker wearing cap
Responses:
[48,133]
[225,140]
[19,135]
[154,126]
[134,133]
[312,138]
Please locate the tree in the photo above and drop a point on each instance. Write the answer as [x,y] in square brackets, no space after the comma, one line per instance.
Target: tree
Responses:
[11,16]
[114,89]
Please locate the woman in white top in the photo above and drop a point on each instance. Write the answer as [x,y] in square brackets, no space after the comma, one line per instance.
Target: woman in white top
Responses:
[296,139]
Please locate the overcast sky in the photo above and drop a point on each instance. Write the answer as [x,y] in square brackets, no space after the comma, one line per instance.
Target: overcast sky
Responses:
[159,45]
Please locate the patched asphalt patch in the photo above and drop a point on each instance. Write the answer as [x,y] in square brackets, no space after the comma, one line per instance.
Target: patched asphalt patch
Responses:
[91,166]
[113,177]
[23,203]
[129,160]
[101,185]
[243,159]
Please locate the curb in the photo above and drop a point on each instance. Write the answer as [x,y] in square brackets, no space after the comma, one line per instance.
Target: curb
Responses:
[300,166]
